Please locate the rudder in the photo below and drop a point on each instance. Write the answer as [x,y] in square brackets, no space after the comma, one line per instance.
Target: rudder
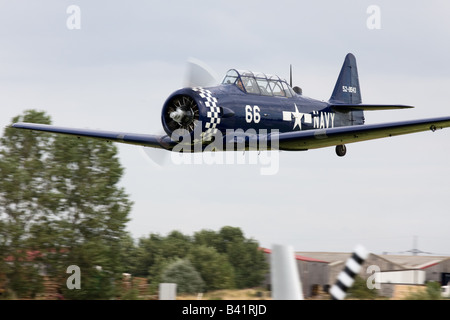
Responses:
[347,90]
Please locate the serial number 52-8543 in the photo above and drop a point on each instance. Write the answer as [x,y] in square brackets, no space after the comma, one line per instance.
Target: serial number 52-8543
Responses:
[348,89]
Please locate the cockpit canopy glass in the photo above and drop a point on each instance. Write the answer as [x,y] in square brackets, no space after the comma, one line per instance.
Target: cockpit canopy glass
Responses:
[258,83]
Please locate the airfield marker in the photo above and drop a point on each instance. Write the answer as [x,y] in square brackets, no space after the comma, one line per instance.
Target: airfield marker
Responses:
[286,284]
[347,276]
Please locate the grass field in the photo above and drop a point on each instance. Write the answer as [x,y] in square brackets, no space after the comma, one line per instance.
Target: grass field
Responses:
[245,294]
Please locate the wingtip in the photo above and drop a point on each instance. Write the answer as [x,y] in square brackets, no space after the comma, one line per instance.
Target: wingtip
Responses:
[16,125]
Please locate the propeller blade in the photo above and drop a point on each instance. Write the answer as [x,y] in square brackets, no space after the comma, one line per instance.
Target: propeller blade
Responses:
[157,157]
[199,74]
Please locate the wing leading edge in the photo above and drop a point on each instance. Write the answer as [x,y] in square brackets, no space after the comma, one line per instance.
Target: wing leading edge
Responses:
[314,139]
[289,141]
[147,140]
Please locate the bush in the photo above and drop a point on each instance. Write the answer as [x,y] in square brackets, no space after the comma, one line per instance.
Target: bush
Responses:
[182,273]
[433,292]
[359,290]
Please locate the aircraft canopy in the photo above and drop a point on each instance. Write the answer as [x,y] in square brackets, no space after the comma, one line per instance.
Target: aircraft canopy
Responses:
[258,83]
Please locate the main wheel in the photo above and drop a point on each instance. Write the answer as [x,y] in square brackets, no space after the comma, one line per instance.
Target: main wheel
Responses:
[341,150]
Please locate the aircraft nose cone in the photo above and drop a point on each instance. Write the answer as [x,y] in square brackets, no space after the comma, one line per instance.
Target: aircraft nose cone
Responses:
[181,116]
[177,115]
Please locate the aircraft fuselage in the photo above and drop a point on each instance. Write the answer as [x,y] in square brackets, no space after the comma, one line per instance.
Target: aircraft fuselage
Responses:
[226,107]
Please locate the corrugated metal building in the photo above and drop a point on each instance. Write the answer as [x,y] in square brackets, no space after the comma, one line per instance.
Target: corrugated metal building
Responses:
[336,262]
[313,273]
[437,268]
[319,270]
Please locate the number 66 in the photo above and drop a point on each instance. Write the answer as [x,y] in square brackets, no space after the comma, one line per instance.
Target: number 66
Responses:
[252,114]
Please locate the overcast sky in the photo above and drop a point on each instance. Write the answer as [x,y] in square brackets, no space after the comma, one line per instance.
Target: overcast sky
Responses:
[116,71]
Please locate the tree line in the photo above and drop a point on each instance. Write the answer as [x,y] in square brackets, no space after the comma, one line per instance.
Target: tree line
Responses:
[206,261]
[61,205]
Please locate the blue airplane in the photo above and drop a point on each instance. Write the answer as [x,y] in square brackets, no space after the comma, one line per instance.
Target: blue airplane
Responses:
[255,111]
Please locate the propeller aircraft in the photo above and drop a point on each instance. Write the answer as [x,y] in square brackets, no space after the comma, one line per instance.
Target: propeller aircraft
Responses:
[255,111]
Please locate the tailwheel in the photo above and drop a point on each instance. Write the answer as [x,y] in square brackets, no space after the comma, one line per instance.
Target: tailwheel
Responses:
[341,150]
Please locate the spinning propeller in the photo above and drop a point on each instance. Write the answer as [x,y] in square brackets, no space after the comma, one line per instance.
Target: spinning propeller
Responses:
[183,112]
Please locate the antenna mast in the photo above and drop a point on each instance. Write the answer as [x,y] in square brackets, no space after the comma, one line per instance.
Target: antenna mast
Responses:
[290,75]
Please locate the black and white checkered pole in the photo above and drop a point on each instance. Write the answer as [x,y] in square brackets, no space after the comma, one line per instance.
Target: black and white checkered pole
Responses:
[347,276]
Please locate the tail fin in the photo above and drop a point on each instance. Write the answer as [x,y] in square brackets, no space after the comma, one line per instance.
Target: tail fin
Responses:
[347,90]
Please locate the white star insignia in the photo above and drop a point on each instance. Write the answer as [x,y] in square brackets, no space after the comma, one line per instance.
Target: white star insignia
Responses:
[297,116]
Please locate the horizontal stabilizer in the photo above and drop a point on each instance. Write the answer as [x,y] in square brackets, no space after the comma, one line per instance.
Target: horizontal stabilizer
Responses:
[367,107]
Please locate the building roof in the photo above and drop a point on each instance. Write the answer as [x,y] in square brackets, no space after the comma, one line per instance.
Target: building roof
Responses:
[405,261]
[415,262]
[329,257]
[298,257]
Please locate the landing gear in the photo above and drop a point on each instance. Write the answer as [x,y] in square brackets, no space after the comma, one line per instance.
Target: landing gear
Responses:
[341,150]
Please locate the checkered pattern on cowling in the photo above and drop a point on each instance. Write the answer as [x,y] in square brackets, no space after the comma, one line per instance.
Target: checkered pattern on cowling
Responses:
[212,115]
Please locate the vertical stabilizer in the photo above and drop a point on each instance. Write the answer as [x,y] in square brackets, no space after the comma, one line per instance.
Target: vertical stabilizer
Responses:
[347,90]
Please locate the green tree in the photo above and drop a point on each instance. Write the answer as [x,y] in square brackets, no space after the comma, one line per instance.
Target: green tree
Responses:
[155,253]
[176,245]
[183,273]
[148,254]
[213,267]
[209,238]
[60,205]
[24,189]
[128,254]
[249,263]
[92,211]
[224,259]
[229,235]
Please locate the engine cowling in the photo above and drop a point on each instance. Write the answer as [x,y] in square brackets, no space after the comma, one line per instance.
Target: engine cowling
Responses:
[180,112]
[192,110]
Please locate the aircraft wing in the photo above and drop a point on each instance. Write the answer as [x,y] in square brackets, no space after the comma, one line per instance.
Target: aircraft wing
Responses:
[147,140]
[319,138]
[297,140]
